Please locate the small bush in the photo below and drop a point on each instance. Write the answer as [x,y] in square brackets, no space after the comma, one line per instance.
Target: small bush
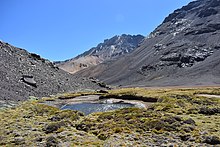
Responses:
[51,141]
[52,127]
[102,136]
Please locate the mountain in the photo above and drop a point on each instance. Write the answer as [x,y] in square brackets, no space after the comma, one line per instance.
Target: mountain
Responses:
[183,50]
[24,74]
[110,49]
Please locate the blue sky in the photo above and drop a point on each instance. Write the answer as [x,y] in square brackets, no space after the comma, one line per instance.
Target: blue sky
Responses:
[62,29]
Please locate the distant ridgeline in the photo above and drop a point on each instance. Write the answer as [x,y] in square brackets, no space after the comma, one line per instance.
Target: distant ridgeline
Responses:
[183,50]
[110,49]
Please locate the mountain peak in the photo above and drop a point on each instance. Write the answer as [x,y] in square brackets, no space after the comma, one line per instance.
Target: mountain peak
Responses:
[112,48]
[115,46]
[184,49]
[199,8]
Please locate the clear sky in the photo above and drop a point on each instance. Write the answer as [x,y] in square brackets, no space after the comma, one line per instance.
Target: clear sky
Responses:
[62,29]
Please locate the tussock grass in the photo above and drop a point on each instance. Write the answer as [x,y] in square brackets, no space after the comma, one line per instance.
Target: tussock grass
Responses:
[180,112]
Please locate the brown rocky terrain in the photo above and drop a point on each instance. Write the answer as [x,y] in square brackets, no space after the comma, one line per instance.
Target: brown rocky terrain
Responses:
[77,64]
[183,50]
[24,74]
[110,49]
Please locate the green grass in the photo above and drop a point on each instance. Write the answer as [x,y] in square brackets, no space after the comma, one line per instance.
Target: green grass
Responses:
[177,112]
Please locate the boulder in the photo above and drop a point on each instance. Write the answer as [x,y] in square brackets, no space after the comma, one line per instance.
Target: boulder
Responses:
[189,121]
[28,79]
[52,141]
[171,57]
[209,111]
[213,140]
[18,141]
[52,127]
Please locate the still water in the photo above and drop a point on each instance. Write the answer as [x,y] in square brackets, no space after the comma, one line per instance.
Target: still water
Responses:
[88,108]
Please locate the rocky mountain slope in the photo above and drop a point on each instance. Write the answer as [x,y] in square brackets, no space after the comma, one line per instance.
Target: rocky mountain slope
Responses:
[24,74]
[183,50]
[110,49]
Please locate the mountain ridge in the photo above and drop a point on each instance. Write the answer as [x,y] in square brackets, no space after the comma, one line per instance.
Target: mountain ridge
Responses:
[180,51]
[110,49]
[24,74]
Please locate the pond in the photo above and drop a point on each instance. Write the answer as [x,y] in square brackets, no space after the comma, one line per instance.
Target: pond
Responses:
[88,108]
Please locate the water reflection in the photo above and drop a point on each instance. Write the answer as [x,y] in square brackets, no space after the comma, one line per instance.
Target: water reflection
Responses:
[88,108]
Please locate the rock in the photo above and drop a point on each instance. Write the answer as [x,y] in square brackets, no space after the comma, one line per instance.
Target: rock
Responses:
[170,145]
[177,118]
[209,111]
[171,57]
[102,91]
[185,59]
[215,26]
[175,15]
[119,102]
[147,68]
[102,136]
[29,80]
[39,139]
[82,127]
[54,118]
[207,12]
[52,141]
[35,56]
[188,129]
[201,31]
[189,121]
[213,140]
[16,134]
[18,141]
[185,137]
[214,3]
[102,84]
[52,127]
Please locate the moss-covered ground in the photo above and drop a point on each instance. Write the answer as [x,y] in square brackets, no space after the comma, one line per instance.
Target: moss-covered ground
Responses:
[178,117]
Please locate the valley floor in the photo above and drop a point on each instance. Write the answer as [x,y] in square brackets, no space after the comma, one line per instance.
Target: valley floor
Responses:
[176,117]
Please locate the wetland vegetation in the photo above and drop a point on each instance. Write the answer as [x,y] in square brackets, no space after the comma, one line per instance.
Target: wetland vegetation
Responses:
[178,117]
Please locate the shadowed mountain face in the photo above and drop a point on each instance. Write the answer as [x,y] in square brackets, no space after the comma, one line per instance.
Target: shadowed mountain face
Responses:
[183,50]
[110,49]
[23,74]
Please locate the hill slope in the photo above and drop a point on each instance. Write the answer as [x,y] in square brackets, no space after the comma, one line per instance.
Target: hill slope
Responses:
[183,50]
[24,74]
[112,48]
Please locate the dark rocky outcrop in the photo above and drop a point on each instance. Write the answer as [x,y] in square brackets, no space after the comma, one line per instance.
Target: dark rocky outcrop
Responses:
[52,141]
[52,127]
[209,111]
[29,80]
[24,74]
[183,50]
[213,140]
